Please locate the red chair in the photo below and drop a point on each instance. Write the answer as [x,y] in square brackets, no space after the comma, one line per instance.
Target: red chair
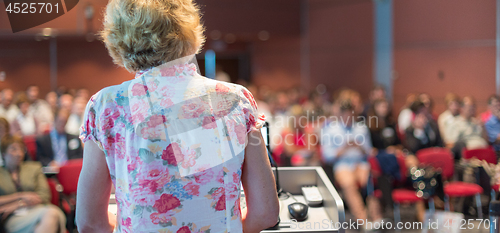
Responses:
[486,154]
[69,174]
[442,158]
[53,191]
[400,195]
[30,142]
[68,177]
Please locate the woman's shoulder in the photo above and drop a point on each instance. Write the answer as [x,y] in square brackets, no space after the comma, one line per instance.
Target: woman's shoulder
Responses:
[32,165]
[110,93]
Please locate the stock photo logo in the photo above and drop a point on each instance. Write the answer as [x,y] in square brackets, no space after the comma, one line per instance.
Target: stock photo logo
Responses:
[25,14]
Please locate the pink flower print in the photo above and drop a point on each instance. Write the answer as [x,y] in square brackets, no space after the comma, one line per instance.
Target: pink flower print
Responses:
[192,109]
[221,203]
[157,218]
[220,177]
[142,196]
[139,111]
[139,89]
[154,176]
[170,71]
[109,116]
[189,158]
[240,131]
[204,177]
[221,88]
[209,122]
[236,178]
[184,229]
[152,85]
[166,202]
[173,154]
[156,120]
[237,208]
[127,223]
[218,192]
[192,189]
[166,102]
[250,98]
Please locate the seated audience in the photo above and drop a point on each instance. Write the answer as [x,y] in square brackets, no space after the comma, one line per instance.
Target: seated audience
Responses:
[25,123]
[346,144]
[453,110]
[492,126]
[40,108]
[465,131]
[423,132]
[493,101]
[296,149]
[25,194]
[8,109]
[57,147]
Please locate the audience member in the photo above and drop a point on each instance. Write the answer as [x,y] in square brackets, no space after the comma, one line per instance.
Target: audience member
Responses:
[346,144]
[40,109]
[493,101]
[382,127]
[66,102]
[25,124]
[57,147]
[8,109]
[52,100]
[423,132]
[377,92]
[453,110]
[465,131]
[406,115]
[492,126]
[25,194]
[75,120]
[83,93]
[426,99]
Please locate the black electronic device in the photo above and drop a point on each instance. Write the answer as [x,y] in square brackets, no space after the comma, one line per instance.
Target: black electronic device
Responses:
[298,211]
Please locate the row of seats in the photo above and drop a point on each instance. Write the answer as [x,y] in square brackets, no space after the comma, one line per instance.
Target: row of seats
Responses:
[439,158]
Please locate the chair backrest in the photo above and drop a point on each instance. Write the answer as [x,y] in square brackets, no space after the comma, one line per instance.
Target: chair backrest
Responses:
[438,157]
[486,154]
[53,191]
[69,174]
[30,142]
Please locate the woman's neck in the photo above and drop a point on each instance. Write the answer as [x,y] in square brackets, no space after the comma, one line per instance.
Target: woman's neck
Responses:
[12,169]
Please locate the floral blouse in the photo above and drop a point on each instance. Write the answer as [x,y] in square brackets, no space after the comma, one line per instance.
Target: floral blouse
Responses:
[174,143]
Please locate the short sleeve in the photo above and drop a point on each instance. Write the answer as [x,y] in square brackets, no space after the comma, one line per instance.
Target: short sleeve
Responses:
[88,130]
[254,120]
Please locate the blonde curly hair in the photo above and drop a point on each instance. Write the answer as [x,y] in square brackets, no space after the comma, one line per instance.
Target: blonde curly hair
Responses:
[141,34]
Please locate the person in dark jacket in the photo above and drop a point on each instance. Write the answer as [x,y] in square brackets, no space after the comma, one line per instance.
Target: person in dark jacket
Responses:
[57,147]
[423,132]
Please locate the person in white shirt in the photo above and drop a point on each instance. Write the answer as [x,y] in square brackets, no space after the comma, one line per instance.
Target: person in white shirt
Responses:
[40,109]
[8,110]
[75,120]
[346,144]
[25,123]
[447,117]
